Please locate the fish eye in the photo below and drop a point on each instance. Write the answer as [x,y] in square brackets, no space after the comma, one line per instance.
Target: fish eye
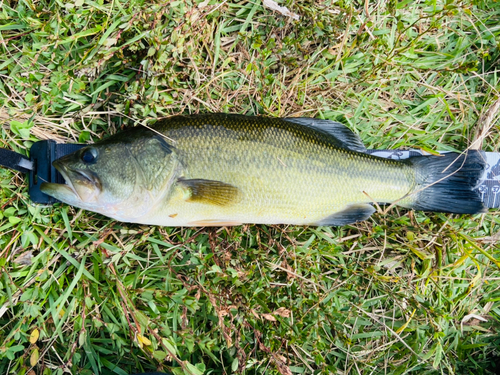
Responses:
[89,155]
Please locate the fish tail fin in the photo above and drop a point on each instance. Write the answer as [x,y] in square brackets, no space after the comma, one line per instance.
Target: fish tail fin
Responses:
[447,182]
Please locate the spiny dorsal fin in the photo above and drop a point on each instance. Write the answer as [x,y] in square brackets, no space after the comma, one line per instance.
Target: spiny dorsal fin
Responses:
[343,136]
[209,192]
[351,214]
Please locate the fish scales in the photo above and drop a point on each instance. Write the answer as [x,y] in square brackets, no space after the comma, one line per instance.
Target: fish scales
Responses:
[286,173]
[230,169]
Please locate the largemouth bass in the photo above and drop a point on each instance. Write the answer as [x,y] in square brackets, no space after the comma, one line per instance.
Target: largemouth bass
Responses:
[215,170]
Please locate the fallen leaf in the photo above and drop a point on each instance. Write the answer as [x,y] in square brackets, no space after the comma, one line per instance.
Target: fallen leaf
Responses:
[34,336]
[473,319]
[269,317]
[285,313]
[34,357]
[24,259]
[271,4]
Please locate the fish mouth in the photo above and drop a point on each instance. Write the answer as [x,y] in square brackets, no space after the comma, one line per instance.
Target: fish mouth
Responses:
[68,184]
[81,185]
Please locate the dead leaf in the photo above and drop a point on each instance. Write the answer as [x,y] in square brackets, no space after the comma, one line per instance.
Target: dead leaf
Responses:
[34,357]
[280,363]
[473,319]
[24,259]
[34,336]
[285,313]
[203,4]
[269,317]
[254,313]
[271,4]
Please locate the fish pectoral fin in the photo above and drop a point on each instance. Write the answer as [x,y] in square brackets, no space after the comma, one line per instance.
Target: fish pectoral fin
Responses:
[209,191]
[351,214]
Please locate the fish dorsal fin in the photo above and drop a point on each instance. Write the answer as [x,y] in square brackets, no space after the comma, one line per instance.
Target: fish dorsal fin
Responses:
[342,136]
[351,214]
[209,191]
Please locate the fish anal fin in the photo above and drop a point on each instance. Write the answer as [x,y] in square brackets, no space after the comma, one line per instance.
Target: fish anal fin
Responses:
[340,134]
[351,214]
[209,191]
[214,223]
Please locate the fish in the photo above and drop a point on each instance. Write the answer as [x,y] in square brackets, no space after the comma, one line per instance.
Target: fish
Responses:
[226,169]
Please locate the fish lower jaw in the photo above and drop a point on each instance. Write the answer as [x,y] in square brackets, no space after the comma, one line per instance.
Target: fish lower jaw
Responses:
[63,192]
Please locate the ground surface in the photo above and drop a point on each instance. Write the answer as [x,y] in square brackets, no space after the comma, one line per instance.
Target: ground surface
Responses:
[404,292]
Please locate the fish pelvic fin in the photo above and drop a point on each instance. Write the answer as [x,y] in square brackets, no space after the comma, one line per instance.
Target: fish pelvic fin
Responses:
[446,183]
[209,191]
[351,214]
[339,134]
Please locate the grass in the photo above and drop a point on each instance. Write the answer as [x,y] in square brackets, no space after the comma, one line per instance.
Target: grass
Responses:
[402,293]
